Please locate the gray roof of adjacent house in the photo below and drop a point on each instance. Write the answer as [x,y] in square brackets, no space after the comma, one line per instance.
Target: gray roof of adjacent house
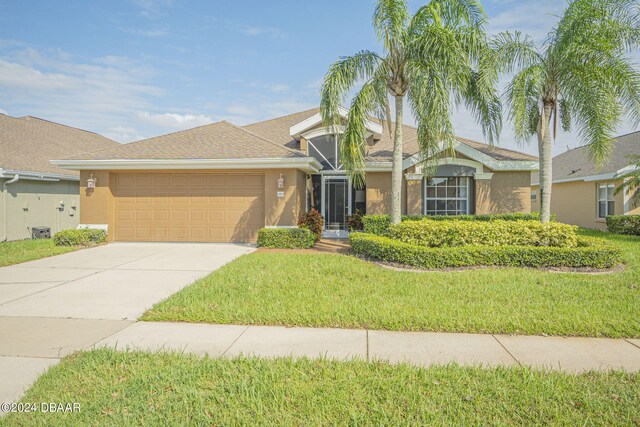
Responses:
[220,140]
[577,163]
[28,143]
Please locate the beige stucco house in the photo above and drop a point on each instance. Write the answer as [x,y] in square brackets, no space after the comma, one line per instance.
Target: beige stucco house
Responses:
[222,182]
[583,194]
[36,193]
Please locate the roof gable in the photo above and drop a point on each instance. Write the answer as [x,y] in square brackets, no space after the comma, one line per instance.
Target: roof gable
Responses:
[315,120]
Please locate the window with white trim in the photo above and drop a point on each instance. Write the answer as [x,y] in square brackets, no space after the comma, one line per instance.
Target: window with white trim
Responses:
[605,200]
[534,195]
[447,195]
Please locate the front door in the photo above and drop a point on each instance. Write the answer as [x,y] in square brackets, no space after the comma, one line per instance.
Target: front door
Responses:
[336,202]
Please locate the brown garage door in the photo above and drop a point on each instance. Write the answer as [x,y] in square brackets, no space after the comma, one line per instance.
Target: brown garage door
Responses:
[188,207]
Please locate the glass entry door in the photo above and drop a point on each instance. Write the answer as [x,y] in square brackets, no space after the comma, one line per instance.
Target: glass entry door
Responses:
[336,202]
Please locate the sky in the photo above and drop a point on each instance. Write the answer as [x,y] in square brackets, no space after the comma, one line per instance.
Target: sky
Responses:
[133,69]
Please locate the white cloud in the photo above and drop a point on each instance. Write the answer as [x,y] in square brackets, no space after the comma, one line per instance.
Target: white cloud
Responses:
[533,18]
[174,120]
[123,134]
[279,88]
[155,33]
[152,8]
[256,31]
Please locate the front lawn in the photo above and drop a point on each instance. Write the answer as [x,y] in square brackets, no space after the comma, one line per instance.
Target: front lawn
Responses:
[176,389]
[28,250]
[345,292]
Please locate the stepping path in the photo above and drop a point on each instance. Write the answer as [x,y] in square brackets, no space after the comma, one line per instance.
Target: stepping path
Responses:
[419,348]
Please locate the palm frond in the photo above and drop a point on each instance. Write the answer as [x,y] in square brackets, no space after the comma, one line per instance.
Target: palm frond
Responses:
[390,22]
[340,79]
[523,95]
[514,51]
[370,100]
[631,180]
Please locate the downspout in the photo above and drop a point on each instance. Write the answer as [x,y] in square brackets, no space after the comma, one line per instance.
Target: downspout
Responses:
[15,179]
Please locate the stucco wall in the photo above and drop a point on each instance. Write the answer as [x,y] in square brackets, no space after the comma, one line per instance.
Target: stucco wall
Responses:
[378,193]
[577,203]
[38,204]
[510,192]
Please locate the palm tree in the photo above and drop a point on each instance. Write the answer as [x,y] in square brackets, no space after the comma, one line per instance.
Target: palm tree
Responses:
[435,59]
[631,180]
[579,76]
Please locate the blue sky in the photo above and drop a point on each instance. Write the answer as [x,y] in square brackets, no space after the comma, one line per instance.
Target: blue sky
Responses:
[131,69]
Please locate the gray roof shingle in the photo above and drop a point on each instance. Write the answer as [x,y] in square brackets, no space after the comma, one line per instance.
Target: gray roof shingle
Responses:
[28,143]
[220,140]
[577,163]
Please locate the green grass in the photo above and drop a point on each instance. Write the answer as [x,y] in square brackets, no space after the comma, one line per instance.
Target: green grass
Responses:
[28,250]
[345,292]
[133,388]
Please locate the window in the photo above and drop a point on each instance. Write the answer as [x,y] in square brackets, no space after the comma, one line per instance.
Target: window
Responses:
[534,196]
[447,196]
[326,150]
[605,200]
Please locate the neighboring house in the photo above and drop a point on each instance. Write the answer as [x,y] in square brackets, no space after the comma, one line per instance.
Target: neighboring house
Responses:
[36,193]
[222,182]
[582,194]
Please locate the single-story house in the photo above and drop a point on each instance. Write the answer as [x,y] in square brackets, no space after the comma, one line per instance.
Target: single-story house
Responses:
[583,194]
[36,193]
[222,182]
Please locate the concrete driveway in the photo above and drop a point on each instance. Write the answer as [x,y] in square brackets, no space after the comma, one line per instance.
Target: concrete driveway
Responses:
[116,281]
[54,306]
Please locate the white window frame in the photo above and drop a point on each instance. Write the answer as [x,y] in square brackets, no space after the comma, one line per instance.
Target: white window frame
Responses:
[446,198]
[609,190]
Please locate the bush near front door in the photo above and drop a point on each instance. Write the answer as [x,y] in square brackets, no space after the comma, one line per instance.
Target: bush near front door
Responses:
[286,238]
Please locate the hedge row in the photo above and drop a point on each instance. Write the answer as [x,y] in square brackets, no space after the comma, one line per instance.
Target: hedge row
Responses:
[430,233]
[82,237]
[591,252]
[379,224]
[286,238]
[624,224]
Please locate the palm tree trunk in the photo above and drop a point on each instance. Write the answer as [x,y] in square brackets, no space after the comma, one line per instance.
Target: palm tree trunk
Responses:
[396,171]
[545,145]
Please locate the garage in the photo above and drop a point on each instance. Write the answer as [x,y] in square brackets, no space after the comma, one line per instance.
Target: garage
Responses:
[188,207]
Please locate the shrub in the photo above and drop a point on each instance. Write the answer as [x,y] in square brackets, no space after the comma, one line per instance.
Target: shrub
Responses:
[595,253]
[286,238]
[313,221]
[430,233]
[82,237]
[354,221]
[624,224]
[379,224]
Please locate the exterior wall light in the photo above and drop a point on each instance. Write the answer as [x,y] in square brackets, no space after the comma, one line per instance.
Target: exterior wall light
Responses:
[91,182]
[281,181]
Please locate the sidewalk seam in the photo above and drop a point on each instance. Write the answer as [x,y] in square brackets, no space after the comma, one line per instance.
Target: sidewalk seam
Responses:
[367,338]
[505,349]
[633,344]
[235,341]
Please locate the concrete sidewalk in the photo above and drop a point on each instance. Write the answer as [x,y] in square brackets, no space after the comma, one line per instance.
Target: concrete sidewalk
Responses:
[419,348]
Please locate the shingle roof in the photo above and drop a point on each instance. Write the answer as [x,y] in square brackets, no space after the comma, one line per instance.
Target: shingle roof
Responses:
[577,163]
[277,130]
[220,140]
[28,143]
